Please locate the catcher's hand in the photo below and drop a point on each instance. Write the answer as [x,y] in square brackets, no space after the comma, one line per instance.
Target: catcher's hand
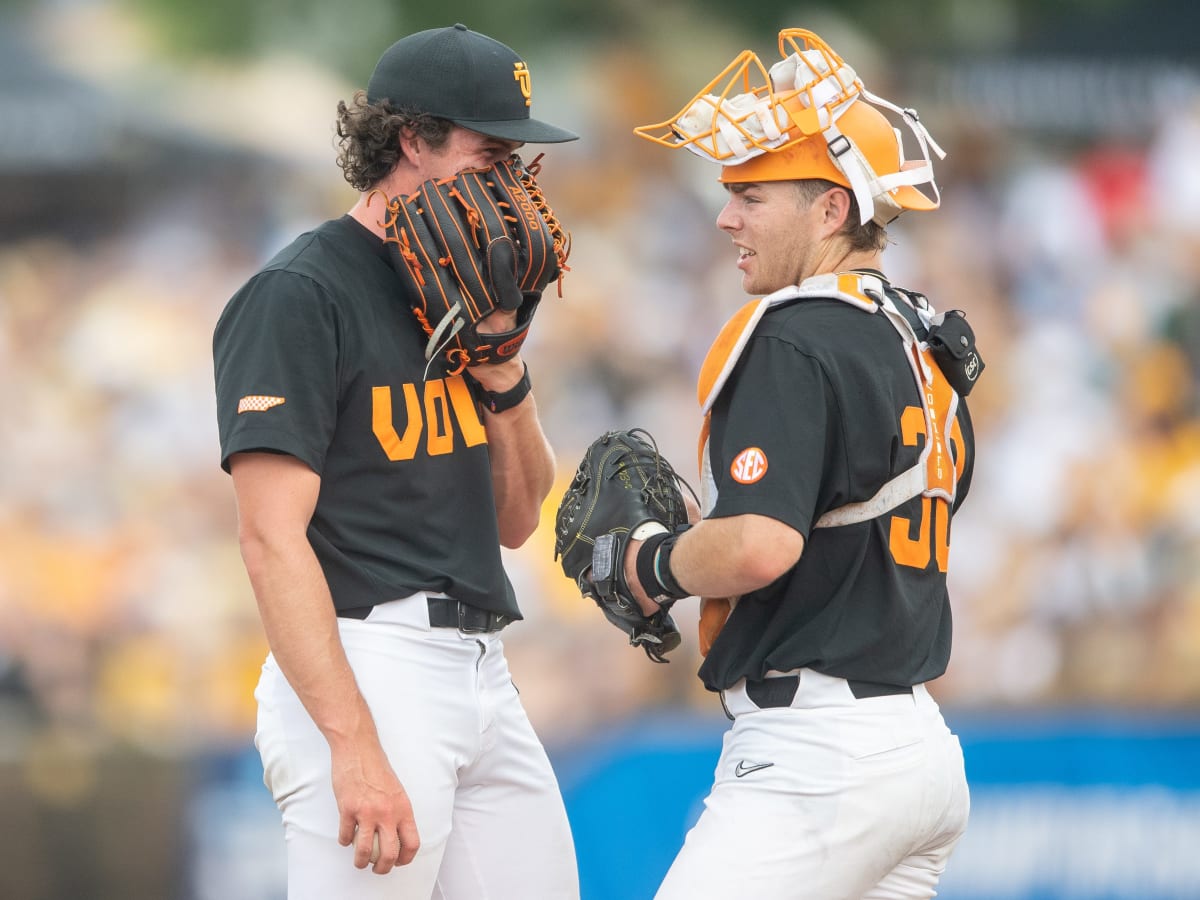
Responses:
[623,488]
[466,246]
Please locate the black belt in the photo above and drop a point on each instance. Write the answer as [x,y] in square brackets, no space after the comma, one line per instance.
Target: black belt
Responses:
[447,613]
[772,693]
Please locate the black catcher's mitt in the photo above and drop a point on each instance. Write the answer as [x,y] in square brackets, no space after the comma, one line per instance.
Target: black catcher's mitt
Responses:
[623,486]
[469,245]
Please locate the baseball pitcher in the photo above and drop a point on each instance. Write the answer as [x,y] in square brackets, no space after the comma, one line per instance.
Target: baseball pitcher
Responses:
[377,417]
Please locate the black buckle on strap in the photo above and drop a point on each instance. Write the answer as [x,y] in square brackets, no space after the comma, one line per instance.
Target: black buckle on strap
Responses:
[840,145]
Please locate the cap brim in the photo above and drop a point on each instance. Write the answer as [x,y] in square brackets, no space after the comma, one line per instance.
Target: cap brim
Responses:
[527,131]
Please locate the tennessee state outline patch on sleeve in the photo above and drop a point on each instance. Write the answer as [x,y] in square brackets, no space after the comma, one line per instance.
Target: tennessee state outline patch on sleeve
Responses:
[749,466]
[258,403]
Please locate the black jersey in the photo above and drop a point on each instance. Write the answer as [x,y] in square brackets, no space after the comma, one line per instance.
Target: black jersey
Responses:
[317,356]
[820,411]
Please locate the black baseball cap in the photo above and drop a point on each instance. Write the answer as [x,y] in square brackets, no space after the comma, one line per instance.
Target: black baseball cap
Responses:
[469,78]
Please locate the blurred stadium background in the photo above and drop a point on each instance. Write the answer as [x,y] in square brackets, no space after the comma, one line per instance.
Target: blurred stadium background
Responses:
[153,153]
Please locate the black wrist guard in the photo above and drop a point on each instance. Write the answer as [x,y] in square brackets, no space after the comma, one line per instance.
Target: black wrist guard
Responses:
[499,401]
[654,569]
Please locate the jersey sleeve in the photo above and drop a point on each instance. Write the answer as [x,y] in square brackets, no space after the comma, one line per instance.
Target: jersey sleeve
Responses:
[770,436]
[275,361]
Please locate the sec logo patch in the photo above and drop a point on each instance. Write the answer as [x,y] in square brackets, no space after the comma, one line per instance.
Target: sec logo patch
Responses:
[749,466]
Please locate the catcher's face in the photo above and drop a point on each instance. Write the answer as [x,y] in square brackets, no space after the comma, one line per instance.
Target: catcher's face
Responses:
[777,237]
[465,149]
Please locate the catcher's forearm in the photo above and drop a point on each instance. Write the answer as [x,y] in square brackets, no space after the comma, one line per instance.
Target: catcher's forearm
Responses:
[725,557]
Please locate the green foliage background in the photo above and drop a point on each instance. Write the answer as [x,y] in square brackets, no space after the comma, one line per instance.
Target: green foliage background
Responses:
[351,33]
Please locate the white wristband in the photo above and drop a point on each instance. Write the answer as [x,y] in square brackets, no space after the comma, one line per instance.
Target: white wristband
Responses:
[646,529]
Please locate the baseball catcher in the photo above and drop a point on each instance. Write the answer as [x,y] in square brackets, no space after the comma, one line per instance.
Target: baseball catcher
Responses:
[483,240]
[624,489]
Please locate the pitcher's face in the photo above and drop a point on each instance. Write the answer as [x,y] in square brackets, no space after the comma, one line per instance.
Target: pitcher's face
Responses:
[465,149]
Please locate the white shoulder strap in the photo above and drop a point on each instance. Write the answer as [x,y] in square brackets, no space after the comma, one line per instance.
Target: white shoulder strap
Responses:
[901,489]
[865,292]
[912,482]
[850,287]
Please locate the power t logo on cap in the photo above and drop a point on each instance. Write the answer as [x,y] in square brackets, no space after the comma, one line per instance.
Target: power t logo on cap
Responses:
[521,74]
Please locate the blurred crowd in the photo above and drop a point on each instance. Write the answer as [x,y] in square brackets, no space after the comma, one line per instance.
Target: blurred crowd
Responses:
[126,616]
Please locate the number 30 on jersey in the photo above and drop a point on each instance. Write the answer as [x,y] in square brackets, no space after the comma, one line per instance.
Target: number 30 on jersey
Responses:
[912,546]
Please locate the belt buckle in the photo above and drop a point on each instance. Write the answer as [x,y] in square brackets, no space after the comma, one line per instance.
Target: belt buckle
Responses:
[471,627]
[473,620]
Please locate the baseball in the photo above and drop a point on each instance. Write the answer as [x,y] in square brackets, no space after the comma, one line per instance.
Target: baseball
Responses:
[375,849]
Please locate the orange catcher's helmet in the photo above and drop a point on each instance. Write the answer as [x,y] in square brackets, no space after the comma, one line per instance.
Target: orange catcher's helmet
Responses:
[809,116]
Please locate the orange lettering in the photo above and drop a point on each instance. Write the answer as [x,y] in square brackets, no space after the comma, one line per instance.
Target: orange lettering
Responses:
[441,437]
[396,447]
[446,401]
[465,411]
[906,549]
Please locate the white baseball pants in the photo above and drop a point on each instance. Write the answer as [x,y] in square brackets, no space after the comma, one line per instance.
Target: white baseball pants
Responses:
[487,804]
[831,799]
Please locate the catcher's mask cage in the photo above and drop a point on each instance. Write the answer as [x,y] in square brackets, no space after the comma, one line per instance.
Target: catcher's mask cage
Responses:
[809,116]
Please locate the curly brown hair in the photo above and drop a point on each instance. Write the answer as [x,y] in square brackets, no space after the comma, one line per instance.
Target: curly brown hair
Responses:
[369,137]
[870,236]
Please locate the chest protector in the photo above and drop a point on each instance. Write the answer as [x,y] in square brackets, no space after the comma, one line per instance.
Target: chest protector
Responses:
[935,473]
